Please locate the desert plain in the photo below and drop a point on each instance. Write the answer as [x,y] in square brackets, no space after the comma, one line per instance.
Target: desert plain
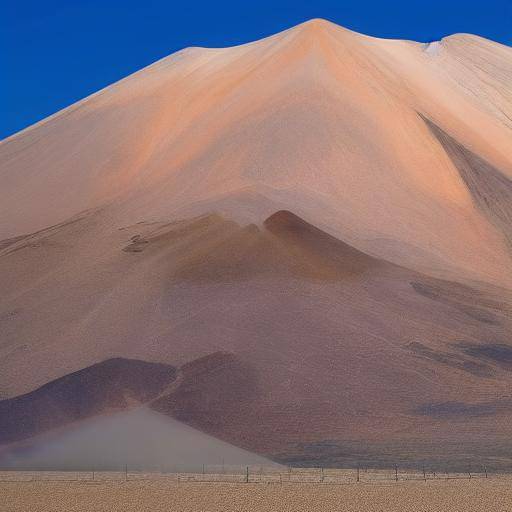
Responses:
[160,495]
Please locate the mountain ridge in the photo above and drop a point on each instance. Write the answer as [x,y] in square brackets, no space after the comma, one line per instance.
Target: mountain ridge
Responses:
[313,23]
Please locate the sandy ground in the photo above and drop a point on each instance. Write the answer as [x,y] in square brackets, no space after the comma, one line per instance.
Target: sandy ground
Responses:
[489,495]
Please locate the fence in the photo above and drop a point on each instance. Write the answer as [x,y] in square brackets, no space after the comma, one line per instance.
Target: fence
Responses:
[248,474]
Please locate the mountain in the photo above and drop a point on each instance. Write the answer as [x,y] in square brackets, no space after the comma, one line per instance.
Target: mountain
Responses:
[313,230]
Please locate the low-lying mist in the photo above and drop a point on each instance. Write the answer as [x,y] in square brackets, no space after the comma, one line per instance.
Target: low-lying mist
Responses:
[139,439]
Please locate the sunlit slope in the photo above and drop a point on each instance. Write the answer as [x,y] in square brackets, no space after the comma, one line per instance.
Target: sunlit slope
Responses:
[317,119]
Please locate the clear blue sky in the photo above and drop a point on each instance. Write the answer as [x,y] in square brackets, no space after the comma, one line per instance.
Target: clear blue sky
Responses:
[55,52]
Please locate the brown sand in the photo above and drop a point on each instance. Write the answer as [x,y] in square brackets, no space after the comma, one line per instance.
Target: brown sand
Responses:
[491,495]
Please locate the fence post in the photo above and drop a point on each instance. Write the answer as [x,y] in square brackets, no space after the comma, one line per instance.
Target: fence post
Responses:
[357,478]
[247,475]
[321,474]
[424,474]
[396,473]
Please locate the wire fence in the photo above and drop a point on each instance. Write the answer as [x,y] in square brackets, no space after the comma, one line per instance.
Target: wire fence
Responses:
[249,474]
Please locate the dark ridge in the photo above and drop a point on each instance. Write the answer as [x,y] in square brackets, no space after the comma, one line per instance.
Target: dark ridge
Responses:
[113,384]
[10,241]
[481,315]
[290,228]
[287,246]
[462,298]
[450,359]
[450,410]
[419,454]
[137,244]
[491,189]
[495,352]
[284,219]
[212,391]
[207,364]
[34,239]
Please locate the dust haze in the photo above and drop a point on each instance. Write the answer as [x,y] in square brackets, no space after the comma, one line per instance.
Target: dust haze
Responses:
[139,439]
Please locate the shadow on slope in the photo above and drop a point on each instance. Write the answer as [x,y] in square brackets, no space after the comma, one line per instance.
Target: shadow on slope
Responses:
[491,189]
[110,385]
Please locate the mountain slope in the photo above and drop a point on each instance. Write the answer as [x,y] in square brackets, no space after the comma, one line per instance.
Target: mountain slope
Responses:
[318,120]
[328,344]
[328,210]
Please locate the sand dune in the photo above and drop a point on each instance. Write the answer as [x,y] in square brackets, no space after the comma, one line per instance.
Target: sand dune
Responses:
[330,211]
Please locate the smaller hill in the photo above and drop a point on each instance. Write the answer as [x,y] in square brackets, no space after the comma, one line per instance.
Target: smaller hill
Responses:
[111,385]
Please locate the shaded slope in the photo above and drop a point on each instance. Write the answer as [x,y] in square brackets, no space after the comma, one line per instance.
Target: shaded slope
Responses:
[114,384]
[213,393]
[490,188]
[327,254]
[286,247]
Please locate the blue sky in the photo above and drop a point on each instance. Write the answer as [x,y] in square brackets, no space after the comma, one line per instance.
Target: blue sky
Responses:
[55,52]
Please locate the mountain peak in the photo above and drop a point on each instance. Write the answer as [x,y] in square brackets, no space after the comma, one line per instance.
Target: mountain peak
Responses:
[315,28]
[317,23]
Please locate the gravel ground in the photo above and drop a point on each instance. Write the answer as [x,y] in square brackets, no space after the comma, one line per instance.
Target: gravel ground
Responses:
[491,495]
